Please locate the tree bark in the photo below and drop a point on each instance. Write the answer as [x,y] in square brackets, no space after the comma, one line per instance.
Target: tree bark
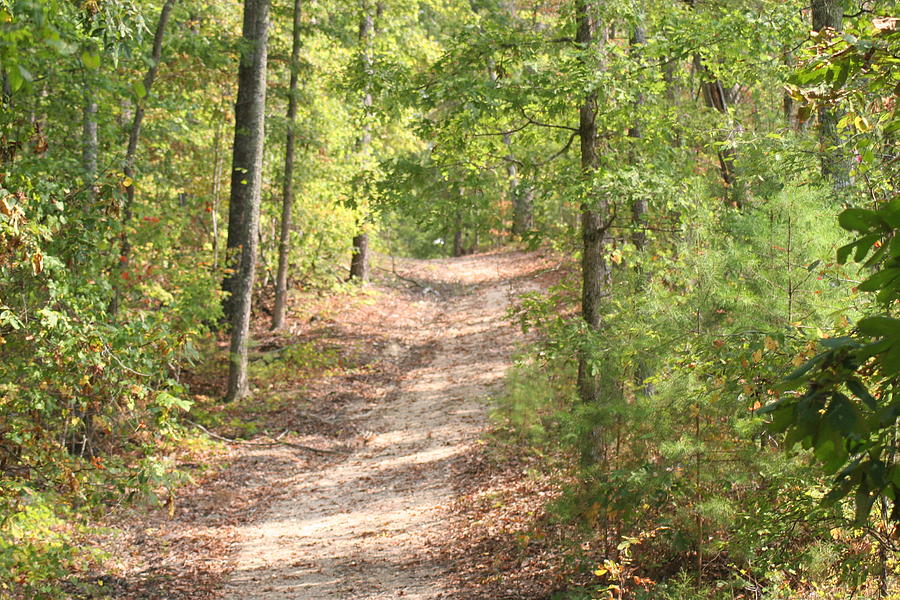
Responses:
[359,263]
[131,152]
[595,269]
[288,188]
[523,209]
[246,184]
[830,14]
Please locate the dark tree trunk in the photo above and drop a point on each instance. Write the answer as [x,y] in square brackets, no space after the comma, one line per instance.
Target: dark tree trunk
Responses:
[244,151]
[246,183]
[359,263]
[835,168]
[130,154]
[288,189]
[595,269]
[715,97]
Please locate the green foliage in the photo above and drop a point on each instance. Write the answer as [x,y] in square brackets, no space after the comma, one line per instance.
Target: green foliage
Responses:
[844,406]
[712,308]
[726,321]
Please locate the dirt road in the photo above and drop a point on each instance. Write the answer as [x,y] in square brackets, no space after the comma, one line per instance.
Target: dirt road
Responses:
[366,527]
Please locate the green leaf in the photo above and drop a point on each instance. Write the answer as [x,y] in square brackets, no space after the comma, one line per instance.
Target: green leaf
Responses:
[139,90]
[879,326]
[890,361]
[859,219]
[804,368]
[864,501]
[16,81]
[842,416]
[860,391]
[167,400]
[91,60]
[879,280]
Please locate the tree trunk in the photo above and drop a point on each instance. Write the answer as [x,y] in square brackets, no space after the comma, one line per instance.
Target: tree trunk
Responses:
[830,14]
[595,269]
[217,185]
[714,97]
[523,209]
[638,206]
[89,142]
[359,263]
[246,184]
[458,235]
[288,188]
[130,154]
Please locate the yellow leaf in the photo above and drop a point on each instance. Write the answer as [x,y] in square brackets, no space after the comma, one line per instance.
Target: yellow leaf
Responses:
[757,356]
[127,181]
[771,344]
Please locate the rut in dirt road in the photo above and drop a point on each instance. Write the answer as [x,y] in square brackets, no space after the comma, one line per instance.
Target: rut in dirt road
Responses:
[365,527]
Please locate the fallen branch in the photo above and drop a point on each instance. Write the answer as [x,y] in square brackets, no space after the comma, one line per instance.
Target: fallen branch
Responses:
[409,280]
[274,442]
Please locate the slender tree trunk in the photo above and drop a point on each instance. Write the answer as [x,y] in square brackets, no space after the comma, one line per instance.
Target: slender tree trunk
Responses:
[359,263]
[288,188]
[246,184]
[595,269]
[639,208]
[787,103]
[520,195]
[216,191]
[89,141]
[830,14]
[5,88]
[714,97]
[458,235]
[130,154]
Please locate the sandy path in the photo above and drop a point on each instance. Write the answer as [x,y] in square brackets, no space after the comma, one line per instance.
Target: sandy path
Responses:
[363,527]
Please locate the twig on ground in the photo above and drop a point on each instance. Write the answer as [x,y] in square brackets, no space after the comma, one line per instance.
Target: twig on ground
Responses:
[275,441]
[409,280]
